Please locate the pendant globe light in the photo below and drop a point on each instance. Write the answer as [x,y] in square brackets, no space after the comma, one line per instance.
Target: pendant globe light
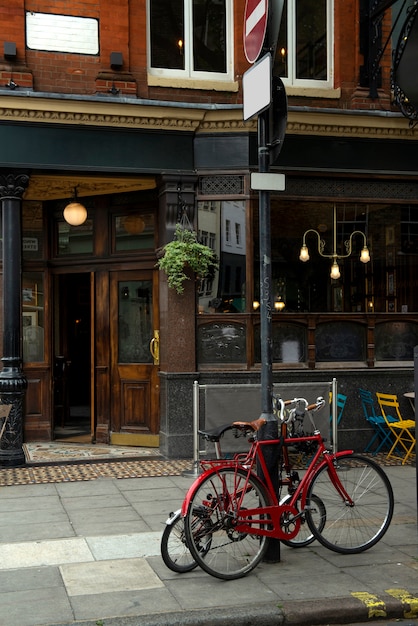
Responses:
[75,213]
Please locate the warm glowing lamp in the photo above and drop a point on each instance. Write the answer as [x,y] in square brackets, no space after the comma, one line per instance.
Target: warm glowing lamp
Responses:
[75,213]
[335,271]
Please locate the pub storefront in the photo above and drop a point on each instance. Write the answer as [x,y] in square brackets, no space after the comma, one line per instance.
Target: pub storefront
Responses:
[103,334]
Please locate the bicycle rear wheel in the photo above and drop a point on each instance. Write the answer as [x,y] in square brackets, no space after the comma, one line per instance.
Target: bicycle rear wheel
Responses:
[349,529]
[229,554]
[305,535]
[174,551]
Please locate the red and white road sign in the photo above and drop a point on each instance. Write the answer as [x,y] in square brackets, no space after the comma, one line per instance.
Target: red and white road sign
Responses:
[255,25]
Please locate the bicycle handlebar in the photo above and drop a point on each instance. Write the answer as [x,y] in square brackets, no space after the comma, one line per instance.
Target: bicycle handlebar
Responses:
[315,406]
[255,425]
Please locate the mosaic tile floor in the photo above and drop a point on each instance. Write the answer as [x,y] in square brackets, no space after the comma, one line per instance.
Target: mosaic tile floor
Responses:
[72,472]
[47,452]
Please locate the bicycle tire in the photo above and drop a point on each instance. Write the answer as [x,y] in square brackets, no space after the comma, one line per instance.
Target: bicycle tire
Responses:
[230,554]
[174,551]
[305,535]
[353,529]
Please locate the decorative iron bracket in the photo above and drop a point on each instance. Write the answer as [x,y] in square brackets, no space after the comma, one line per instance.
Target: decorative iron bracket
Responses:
[371,16]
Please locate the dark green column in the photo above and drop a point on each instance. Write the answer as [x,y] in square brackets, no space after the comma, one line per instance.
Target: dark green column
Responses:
[12,381]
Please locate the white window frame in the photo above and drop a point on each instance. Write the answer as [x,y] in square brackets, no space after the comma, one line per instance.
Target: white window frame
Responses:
[291,79]
[228,232]
[188,73]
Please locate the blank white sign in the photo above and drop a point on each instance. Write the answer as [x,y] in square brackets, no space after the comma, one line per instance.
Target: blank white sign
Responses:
[62,33]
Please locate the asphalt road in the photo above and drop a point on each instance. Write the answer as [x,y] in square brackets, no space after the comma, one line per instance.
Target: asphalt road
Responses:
[380,622]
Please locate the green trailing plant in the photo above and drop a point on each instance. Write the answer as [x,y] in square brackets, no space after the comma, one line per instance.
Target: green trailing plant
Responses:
[186,252]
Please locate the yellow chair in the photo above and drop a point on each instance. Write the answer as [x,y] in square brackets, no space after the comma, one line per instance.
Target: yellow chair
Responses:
[403,430]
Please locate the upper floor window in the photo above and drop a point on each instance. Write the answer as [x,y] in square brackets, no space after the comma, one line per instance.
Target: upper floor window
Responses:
[304,55]
[190,38]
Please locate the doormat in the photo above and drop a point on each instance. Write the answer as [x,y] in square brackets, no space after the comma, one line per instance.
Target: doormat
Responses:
[82,471]
[56,452]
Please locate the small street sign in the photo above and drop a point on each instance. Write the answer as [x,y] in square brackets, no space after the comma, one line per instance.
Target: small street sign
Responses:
[268,182]
[256,87]
[255,25]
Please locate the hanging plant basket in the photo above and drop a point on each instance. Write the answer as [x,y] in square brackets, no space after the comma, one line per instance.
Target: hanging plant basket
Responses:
[186,252]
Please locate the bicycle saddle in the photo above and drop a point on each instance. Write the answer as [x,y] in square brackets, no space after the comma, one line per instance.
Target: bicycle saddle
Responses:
[215,433]
[255,425]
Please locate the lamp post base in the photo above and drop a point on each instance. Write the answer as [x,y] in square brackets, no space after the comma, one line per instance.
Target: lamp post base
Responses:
[13,385]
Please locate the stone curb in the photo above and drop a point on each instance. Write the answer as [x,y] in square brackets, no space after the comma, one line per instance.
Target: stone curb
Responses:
[298,613]
[261,615]
[338,611]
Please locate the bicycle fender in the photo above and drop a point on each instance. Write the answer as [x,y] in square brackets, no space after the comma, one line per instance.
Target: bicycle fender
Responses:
[173,517]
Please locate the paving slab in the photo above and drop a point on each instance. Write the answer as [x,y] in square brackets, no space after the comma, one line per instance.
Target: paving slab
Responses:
[125,546]
[125,607]
[35,607]
[41,553]
[83,579]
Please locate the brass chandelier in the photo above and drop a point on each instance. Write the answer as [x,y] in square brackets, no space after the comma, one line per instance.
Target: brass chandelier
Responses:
[348,244]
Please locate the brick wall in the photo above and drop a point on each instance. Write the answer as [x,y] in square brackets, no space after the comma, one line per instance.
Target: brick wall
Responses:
[122,28]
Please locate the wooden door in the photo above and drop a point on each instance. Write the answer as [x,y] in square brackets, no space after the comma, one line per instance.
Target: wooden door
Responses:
[134,358]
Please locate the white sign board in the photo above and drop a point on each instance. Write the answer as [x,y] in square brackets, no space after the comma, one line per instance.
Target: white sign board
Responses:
[268,182]
[256,85]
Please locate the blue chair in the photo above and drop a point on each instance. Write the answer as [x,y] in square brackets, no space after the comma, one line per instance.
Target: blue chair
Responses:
[382,436]
[341,400]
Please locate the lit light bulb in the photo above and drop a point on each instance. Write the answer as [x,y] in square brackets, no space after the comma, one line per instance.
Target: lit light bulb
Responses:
[75,214]
[335,271]
[365,256]
[304,253]
[279,305]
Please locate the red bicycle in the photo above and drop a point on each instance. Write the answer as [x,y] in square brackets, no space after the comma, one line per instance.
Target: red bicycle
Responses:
[229,514]
[174,550]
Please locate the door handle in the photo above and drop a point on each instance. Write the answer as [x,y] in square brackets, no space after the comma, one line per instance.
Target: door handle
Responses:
[154,347]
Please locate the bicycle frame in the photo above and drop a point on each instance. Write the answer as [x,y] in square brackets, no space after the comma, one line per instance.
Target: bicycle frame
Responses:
[269,520]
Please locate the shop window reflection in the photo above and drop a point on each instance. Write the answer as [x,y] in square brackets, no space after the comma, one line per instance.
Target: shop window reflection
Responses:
[221,226]
[384,285]
[33,317]
[32,227]
[133,231]
[395,341]
[289,343]
[222,343]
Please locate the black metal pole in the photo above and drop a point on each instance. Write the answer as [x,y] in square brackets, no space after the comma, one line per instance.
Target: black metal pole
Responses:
[12,381]
[270,430]
[416,412]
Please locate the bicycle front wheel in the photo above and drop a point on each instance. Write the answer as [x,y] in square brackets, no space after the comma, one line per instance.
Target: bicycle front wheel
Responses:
[352,528]
[228,554]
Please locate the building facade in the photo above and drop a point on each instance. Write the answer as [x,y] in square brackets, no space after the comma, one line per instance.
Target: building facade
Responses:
[134,109]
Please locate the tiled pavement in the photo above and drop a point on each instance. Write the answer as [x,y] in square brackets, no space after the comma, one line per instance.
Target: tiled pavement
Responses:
[80,544]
